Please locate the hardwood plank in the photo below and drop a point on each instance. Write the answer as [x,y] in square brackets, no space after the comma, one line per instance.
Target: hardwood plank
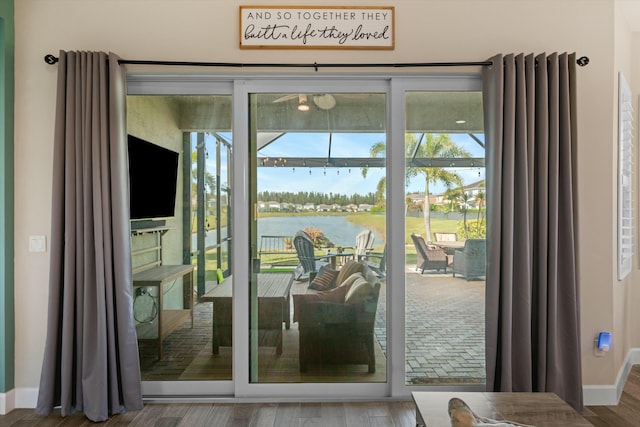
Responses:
[287,415]
[379,421]
[177,410]
[120,420]
[332,414]
[610,417]
[221,414]
[265,416]
[168,422]
[202,414]
[356,415]
[403,413]
[243,413]
[148,416]
[310,410]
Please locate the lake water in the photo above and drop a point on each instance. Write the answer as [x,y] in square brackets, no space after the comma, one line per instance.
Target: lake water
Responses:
[337,229]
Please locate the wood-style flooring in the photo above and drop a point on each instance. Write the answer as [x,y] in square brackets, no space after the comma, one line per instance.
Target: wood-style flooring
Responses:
[348,414]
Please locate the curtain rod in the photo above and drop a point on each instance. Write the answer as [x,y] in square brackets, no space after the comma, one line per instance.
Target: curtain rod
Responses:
[51,59]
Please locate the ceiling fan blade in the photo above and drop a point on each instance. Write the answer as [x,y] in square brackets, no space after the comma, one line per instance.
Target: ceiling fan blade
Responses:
[286,98]
[325,101]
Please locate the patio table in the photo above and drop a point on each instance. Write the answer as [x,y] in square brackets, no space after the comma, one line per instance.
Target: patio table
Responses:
[273,309]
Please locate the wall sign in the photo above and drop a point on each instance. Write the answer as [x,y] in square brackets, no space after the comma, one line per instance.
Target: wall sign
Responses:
[316,27]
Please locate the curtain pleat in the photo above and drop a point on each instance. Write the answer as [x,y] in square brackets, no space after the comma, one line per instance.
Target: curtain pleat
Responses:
[91,351]
[532,301]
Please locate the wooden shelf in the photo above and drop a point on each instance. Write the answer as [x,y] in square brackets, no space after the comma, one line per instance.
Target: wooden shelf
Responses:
[171,319]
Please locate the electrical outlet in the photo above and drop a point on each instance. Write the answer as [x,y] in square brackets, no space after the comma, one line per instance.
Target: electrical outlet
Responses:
[597,352]
[602,344]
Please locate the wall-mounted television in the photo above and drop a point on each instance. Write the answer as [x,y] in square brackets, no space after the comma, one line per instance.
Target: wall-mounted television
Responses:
[153,176]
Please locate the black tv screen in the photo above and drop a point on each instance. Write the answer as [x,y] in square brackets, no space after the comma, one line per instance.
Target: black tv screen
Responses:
[153,176]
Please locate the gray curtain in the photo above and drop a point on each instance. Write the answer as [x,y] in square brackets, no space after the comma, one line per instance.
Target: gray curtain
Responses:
[91,351]
[532,301]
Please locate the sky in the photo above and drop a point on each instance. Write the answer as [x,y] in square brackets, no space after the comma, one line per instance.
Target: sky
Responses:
[341,180]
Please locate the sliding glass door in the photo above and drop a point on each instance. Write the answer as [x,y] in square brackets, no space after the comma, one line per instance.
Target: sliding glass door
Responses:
[319,224]
[335,227]
[445,223]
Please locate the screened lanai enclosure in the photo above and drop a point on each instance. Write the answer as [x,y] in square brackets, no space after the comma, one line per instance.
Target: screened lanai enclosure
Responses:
[319,163]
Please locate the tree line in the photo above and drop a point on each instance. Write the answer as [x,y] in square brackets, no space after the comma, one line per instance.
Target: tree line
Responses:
[303,197]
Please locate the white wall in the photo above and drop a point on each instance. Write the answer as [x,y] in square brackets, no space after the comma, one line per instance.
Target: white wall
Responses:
[426,30]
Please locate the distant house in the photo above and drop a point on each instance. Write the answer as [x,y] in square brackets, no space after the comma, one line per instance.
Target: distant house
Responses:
[309,207]
[350,208]
[273,206]
[323,208]
[363,207]
[288,207]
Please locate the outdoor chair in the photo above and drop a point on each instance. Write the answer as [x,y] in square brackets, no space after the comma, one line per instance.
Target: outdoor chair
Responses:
[429,258]
[471,261]
[377,262]
[364,244]
[309,262]
[445,237]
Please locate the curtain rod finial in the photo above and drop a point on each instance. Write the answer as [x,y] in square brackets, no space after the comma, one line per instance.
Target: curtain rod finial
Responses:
[582,61]
[50,59]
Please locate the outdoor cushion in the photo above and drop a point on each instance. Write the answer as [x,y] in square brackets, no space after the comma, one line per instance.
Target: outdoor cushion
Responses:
[346,283]
[350,267]
[360,291]
[334,295]
[325,280]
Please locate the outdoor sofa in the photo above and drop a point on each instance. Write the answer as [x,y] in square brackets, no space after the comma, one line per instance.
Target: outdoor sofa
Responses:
[336,325]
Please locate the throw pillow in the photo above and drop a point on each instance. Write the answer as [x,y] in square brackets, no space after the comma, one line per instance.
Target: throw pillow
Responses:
[334,295]
[350,267]
[361,290]
[346,283]
[325,281]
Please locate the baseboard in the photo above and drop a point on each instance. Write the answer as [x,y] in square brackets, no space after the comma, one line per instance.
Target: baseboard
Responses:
[593,395]
[18,398]
[609,394]
[7,402]
[27,397]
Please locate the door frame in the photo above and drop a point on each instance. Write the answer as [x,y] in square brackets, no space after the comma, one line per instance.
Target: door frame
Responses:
[239,87]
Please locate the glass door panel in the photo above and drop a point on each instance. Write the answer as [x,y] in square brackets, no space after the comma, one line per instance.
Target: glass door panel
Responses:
[197,234]
[318,169]
[445,225]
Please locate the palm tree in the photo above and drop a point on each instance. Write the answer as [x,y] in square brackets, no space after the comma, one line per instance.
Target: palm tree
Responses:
[432,146]
[429,145]
[480,203]
[451,195]
[464,207]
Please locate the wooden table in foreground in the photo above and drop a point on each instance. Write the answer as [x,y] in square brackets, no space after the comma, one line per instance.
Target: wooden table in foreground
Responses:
[537,409]
[273,309]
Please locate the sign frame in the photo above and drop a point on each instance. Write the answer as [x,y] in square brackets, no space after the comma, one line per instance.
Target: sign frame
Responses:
[317,27]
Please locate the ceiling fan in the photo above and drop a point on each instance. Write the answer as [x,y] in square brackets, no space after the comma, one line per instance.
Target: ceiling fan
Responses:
[323,101]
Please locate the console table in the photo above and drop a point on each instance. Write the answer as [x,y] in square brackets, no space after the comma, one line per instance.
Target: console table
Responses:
[273,309]
[537,409]
[170,319]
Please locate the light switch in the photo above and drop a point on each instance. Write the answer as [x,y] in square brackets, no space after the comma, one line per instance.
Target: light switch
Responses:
[37,244]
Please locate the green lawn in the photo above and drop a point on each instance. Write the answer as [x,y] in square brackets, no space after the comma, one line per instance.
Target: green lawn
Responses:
[373,221]
[412,225]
